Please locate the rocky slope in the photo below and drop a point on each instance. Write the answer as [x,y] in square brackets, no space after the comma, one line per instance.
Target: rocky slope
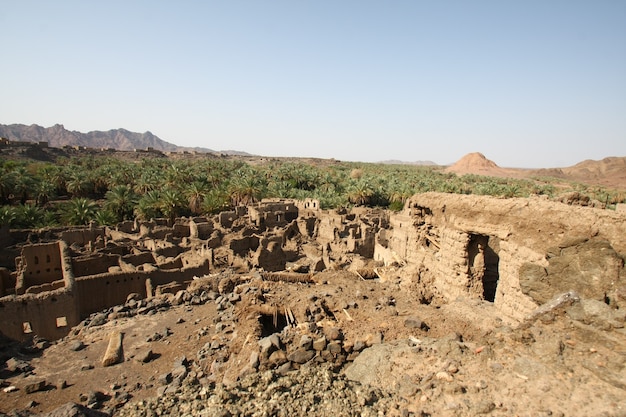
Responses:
[374,351]
[609,171]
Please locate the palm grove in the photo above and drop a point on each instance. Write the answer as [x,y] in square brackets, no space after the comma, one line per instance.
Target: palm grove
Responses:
[106,190]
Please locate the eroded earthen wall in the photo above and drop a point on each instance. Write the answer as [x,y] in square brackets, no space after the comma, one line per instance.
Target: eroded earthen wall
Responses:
[49,315]
[83,236]
[102,291]
[39,264]
[94,264]
[526,230]
[98,292]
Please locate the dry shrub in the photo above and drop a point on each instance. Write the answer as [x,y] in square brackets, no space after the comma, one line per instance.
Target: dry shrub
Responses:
[356,173]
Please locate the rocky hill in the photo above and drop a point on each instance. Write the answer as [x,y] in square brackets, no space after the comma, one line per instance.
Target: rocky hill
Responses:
[120,139]
[609,172]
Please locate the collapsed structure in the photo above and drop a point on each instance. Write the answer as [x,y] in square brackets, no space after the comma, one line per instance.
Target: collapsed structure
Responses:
[514,253]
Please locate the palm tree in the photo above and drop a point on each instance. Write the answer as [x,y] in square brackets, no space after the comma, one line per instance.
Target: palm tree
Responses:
[23,184]
[44,191]
[28,216]
[55,177]
[105,218]
[360,193]
[7,182]
[148,180]
[148,206]
[7,216]
[79,211]
[215,201]
[121,202]
[245,189]
[172,203]
[195,194]
[78,185]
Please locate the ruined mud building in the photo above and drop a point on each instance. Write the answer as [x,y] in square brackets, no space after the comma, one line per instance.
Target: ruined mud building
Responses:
[513,253]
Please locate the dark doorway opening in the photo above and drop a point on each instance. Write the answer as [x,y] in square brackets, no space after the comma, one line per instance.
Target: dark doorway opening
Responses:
[484,264]
[272,323]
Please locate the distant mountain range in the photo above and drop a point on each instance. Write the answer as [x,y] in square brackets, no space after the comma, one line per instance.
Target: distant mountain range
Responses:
[121,139]
[398,162]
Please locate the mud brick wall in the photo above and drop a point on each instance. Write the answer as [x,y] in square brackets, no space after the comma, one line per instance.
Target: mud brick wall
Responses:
[160,277]
[400,243]
[205,230]
[40,264]
[102,291]
[527,230]
[509,297]
[83,236]
[139,258]
[449,264]
[226,218]
[362,242]
[327,227]
[94,264]
[97,292]
[30,314]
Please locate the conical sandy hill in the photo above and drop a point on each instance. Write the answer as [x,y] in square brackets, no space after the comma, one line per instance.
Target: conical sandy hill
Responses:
[475,163]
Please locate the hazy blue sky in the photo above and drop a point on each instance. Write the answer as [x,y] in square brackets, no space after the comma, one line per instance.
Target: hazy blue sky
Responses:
[527,83]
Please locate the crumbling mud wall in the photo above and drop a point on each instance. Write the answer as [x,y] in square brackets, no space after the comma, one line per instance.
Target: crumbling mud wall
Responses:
[39,264]
[83,236]
[45,307]
[477,246]
[49,315]
[272,213]
[94,264]
[98,292]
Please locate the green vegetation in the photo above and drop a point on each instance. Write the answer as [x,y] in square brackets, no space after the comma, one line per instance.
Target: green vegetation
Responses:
[106,190]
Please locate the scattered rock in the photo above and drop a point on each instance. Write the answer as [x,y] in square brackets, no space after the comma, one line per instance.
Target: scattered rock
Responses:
[74,410]
[319,344]
[76,345]
[301,356]
[333,333]
[306,342]
[115,352]
[415,323]
[334,347]
[34,386]
[15,365]
[145,355]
